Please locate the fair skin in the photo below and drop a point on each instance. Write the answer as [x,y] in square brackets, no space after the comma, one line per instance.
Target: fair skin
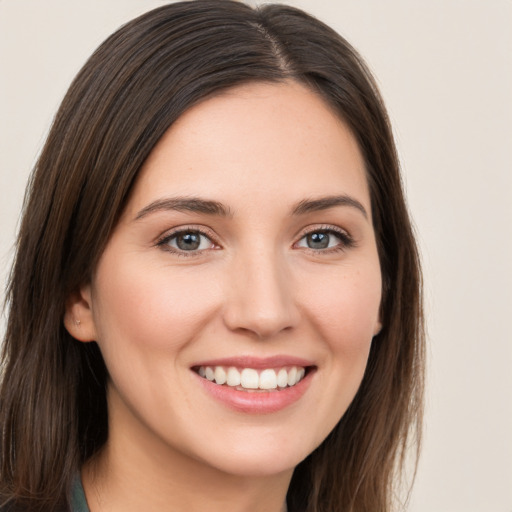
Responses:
[248,243]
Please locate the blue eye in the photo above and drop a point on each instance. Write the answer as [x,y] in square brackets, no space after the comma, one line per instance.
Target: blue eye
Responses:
[188,241]
[325,239]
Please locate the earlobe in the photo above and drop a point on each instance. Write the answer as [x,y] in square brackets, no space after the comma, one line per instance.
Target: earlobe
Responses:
[378,328]
[78,317]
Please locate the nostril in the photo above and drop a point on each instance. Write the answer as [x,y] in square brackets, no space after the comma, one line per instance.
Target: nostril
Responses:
[260,324]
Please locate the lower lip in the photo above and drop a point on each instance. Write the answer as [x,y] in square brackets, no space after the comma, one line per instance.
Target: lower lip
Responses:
[258,402]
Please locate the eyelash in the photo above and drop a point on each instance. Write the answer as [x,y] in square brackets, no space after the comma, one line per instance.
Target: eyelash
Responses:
[346,240]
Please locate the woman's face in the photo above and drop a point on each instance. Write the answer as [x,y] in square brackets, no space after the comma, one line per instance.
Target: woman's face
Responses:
[246,253]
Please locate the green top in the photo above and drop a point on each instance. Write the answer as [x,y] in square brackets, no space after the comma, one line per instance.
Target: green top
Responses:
[78,501]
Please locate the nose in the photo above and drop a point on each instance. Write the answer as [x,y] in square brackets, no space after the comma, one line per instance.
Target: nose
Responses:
[260,298]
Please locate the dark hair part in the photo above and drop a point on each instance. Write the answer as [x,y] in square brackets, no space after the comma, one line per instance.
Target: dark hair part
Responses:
[53,410]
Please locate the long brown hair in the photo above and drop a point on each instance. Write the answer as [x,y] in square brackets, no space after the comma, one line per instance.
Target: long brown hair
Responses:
[53,410]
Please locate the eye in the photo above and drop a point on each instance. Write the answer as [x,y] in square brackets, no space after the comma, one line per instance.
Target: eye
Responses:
[187,241]
[322,239]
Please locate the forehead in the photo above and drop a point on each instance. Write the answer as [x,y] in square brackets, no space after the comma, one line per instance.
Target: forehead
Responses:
[252,142]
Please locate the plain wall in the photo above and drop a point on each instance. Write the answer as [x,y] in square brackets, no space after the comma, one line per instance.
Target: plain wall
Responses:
[445,69]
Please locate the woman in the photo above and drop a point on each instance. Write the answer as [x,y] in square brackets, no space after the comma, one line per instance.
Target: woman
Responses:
[215,301]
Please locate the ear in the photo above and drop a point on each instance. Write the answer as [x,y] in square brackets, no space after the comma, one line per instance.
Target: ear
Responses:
[378,327]
[378,323]
[78,317]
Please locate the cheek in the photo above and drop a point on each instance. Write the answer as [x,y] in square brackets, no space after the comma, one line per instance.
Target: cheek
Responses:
[344,307]
[342,310]
[140,307]
[146,317]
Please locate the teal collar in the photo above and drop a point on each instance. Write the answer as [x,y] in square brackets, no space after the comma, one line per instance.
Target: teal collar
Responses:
[78,501]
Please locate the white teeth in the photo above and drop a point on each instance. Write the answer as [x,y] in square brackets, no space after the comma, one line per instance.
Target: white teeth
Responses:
[292,376]
[268,379]
[233,377]
[250,379]
[282,378]
[220,375]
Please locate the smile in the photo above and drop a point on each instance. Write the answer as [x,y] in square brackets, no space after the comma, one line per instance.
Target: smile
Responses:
[253,385]
[253,380]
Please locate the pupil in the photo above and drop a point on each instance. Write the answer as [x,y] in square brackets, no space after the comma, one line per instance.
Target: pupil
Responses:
[188,241]
[318,240]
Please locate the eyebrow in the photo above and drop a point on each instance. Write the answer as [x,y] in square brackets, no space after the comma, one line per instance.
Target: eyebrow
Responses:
[324,203]
[185,204]
[209,207]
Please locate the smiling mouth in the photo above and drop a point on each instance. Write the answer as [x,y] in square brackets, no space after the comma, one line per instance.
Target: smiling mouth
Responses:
[253,380]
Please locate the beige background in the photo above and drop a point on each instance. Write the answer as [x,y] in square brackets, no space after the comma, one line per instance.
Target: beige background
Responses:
[445,68]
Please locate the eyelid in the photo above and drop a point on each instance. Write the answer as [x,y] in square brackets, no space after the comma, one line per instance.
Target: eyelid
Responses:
[312,228]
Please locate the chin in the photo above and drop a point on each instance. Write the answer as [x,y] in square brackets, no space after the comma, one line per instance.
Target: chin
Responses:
[266,457]
[260,466]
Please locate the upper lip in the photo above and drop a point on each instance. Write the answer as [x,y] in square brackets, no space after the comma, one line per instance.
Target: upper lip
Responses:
[258,363]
